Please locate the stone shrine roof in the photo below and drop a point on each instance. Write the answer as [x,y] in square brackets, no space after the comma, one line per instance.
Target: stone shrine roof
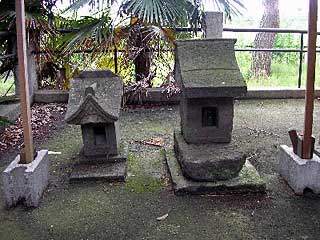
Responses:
[95,97]
[208,68]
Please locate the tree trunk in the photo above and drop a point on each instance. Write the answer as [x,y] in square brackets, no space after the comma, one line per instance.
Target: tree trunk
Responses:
[261,61]
[142,60]
[142,65]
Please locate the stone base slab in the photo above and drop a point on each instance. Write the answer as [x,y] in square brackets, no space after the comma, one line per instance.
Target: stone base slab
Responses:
[94,169]
[299,173]
[248,181]
[110,172]
[26,182]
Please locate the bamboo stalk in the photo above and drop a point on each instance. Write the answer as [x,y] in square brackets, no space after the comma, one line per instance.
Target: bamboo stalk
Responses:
[309,105]
[23,81]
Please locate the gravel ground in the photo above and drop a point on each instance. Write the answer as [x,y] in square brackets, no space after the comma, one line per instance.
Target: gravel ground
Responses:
[130,210]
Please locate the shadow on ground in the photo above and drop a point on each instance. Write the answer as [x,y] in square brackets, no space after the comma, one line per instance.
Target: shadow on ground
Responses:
[130,211]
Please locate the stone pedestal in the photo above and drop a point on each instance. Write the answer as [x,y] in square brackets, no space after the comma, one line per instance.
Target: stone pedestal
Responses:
[26,182]
[247,181]
[299,173]
[108,168]
[208,162]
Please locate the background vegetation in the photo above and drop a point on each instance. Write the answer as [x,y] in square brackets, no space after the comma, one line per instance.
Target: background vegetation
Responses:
[284,68]
[284,65]
[96,31]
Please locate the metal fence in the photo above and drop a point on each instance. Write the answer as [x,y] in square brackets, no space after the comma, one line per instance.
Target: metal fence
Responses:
[301,50]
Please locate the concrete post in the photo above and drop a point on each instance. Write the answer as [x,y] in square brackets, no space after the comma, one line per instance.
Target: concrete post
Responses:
[32,70]
[214,24]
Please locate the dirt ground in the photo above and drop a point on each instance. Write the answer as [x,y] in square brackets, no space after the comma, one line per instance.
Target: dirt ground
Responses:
[130,210]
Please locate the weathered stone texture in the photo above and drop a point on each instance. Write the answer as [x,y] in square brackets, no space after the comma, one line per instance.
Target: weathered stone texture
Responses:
[103,143]
[208,162]
[105,104]
[105,168]
[209,78]
[214,24]
[248,181]
[26,181]
[208,68]
[102,172]
[191,112]
[95,104]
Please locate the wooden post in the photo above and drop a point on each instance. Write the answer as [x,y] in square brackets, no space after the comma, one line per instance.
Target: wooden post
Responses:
[23,82]
[309,105]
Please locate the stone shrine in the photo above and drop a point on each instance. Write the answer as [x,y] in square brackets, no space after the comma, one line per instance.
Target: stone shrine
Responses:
[205,159]
[209,78]
[95,103]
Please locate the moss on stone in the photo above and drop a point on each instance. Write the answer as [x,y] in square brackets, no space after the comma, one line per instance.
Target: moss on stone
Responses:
[249,175]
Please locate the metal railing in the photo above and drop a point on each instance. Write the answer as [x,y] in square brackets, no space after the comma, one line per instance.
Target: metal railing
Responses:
[301,50]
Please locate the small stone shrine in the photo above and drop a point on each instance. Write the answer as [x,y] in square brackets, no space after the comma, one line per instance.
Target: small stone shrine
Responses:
[94,103]
[205,159]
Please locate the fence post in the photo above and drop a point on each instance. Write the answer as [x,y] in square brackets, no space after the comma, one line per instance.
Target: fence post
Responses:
[300,60]
[115,60]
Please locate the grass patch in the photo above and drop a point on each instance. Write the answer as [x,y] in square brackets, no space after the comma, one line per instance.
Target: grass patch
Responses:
[142,184]
[139,181]
[283,73]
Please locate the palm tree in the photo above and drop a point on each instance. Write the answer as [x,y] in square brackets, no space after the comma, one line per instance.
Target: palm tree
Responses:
[140,28]
[151,21]
[39,19]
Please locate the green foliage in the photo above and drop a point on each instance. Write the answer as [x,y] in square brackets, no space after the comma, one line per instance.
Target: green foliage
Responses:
[284,68]
[283,73]
[160,12]
[244,61]
[4,121]
[286,41]
[7,87]
[163,67]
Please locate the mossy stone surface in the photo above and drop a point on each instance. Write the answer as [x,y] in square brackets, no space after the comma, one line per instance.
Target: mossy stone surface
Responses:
[208,68]
[208,162]
[247,181]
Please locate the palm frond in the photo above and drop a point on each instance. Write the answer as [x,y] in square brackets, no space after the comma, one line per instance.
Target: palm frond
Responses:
[229,7]
[93,32]
[75,5]
[162,12]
